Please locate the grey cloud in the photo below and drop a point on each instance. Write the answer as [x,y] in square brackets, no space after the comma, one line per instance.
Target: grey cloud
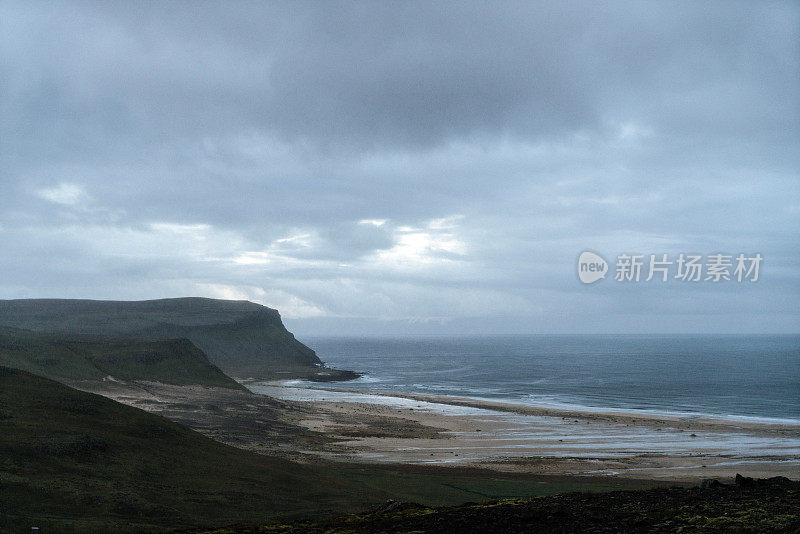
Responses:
[407,73]
[549,127]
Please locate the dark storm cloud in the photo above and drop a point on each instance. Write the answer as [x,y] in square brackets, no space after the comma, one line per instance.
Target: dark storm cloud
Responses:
[395,159]
[387,73]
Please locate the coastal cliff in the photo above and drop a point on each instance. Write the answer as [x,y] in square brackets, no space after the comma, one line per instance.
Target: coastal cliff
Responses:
[244,339]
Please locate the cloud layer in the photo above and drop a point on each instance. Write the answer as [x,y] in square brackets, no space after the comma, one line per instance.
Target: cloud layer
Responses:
[403,167]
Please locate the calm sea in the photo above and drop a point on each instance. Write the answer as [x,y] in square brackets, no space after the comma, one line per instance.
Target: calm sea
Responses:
[739,376]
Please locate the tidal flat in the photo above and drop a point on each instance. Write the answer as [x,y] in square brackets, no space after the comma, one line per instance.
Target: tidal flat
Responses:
[311,425]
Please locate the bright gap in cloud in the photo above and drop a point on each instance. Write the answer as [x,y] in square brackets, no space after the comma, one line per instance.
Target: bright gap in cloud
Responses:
[289,306]
[66,194]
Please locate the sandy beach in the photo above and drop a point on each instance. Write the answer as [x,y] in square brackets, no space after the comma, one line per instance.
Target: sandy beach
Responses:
[542,440]
[314,424]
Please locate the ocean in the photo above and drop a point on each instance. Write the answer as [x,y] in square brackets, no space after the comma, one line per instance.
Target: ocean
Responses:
[731,376]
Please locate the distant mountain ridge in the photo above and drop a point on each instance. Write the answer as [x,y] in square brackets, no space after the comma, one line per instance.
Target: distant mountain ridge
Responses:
[246,340]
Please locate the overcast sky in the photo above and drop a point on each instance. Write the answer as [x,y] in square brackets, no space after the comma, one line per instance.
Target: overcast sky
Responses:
[404,167]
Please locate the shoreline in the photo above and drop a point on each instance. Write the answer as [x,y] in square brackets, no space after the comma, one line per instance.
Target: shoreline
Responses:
[316,424]
[733,423]
[416,429]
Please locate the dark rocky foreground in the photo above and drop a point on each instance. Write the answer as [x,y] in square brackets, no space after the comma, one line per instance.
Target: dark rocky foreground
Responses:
[746,505]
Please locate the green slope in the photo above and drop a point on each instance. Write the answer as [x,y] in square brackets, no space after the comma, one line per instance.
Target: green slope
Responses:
[244,339]
[70,459]
[74,357]
[78,462]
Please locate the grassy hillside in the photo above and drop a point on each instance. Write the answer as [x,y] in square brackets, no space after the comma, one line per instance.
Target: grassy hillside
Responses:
[70,457]
[77,462]
[74,357]
[244,339]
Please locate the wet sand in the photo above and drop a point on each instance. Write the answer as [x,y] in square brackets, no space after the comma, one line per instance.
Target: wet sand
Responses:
[313,424]
[544,440]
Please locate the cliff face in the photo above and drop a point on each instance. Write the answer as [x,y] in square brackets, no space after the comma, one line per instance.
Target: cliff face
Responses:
[244,339]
